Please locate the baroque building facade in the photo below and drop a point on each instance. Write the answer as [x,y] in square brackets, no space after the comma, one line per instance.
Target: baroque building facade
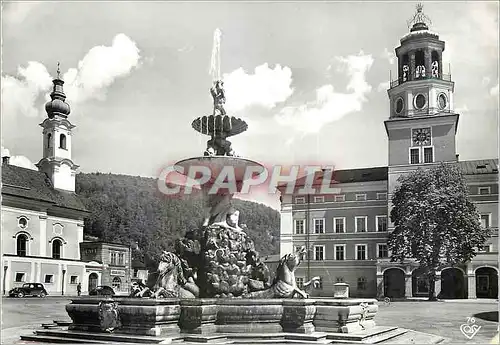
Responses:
[346,233]
[43,219]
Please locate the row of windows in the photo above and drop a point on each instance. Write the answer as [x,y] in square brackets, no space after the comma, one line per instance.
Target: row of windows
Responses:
[339,224]
[118,258]
[49,278]
[339,198]
[361,252]
[22,246]
[361,282]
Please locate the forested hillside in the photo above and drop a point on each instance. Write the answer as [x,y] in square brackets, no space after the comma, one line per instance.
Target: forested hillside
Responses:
[130,209]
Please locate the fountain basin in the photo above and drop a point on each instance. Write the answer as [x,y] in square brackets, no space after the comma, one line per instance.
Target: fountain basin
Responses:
[158,317]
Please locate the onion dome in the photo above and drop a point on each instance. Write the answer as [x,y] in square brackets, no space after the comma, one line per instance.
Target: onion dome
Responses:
[57,105]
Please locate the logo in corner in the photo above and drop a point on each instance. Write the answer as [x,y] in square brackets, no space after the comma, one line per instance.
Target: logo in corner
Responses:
[469,329]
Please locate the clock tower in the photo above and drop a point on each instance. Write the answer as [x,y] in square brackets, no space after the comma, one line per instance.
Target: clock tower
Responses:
[422,123]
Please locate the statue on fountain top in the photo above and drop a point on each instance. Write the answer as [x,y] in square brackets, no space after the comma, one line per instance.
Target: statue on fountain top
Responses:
[219,97]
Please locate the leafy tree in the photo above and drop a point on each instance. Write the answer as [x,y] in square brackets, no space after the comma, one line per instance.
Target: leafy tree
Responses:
[435,222]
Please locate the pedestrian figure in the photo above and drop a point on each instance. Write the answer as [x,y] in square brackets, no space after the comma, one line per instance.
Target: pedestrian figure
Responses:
[79,289]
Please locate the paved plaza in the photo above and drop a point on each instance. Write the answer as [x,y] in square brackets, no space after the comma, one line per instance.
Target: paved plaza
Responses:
[22,316]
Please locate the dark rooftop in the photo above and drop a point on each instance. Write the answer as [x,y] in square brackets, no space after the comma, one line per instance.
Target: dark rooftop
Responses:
[347,176]
[478,167]
[36,185]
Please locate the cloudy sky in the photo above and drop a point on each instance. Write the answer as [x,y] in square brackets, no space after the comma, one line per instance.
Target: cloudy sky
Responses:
[309,78]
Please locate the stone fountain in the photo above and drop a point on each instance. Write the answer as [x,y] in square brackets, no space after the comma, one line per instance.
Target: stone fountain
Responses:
[214,287]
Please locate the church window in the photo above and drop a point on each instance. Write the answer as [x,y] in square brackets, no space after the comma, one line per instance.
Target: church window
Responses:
[414,156]
[49,139]
[420,65]
[62,142]
[22,245]
[22,222]
[300,282]
[56,249]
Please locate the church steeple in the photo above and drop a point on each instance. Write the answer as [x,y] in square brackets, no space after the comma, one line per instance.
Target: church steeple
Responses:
[57,132]
[57,106]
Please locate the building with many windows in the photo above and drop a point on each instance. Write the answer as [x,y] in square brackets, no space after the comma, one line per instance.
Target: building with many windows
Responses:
[346,232]
[109,264]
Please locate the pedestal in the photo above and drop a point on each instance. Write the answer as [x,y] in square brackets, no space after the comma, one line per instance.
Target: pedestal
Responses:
[198,316]
[298,316]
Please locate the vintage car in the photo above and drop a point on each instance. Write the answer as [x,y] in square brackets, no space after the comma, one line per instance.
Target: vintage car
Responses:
[103,290]
[29,289]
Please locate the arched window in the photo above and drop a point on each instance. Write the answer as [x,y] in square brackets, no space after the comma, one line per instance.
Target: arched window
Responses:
[62,141]
[49,139]
[116,283]
[56,249]
[22,245]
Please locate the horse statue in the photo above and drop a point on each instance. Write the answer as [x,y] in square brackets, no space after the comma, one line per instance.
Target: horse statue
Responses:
[171,282]
[284,285]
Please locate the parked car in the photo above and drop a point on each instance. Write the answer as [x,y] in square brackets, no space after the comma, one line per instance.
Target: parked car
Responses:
[103,290]
[29,289]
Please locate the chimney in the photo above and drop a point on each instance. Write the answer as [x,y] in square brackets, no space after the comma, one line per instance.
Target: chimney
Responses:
[5,160]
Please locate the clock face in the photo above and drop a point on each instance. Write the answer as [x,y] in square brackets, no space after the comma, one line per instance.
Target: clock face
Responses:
[421,136]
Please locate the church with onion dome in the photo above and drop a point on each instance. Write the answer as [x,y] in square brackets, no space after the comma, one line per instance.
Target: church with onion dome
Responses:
[43,219]
[346,233]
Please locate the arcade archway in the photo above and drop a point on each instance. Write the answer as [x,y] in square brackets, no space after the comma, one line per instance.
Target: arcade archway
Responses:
[486,282]
[394,283]
[452,283]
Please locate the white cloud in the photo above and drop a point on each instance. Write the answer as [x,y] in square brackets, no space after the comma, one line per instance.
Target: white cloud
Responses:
[95,72]
[19,94]
[390,56]
[330,105]
[383,86]
[15,12]
[99,68]
[494,91]
[265,87]
[20,161]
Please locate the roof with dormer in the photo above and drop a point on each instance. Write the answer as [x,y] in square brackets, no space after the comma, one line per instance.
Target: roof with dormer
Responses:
[36,185]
